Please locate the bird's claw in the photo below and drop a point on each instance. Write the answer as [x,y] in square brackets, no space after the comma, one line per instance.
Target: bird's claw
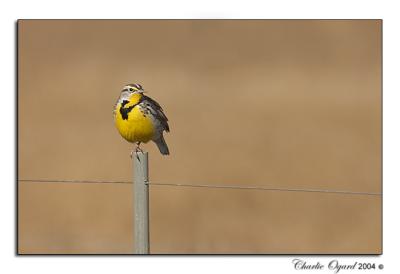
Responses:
[136,150]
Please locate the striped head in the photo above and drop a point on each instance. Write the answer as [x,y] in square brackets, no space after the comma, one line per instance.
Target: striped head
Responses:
[130,90]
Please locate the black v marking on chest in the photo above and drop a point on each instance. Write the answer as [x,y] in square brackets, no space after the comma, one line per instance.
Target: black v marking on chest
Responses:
[125,111]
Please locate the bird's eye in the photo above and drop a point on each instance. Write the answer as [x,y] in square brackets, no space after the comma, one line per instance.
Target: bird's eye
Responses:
[130,89]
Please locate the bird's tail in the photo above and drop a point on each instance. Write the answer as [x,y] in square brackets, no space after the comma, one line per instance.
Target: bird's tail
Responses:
[162,145]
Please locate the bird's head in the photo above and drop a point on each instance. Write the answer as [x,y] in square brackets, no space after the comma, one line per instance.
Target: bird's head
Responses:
[131,89]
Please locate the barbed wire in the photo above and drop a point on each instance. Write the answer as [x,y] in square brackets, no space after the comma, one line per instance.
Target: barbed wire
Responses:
[328,191]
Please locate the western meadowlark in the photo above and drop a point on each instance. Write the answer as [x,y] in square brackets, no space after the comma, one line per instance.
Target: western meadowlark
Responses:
[140,119]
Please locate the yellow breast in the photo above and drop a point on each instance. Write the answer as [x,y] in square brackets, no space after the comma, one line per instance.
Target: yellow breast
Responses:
[136,128]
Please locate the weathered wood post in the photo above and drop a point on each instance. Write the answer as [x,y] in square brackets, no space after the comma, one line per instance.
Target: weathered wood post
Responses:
[141,202]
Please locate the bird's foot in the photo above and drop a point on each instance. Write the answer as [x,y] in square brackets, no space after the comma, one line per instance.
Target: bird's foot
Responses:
[136,150]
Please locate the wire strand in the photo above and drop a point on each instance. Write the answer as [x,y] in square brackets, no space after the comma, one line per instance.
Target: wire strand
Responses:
[74,181]
[210,186]
[271,189]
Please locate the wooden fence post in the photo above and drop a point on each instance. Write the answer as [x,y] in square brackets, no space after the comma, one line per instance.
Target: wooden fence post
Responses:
[141,202]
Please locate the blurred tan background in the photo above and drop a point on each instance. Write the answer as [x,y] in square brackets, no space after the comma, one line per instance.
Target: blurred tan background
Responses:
[275,103]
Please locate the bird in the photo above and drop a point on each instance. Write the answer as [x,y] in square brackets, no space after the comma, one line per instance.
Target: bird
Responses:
[140,119]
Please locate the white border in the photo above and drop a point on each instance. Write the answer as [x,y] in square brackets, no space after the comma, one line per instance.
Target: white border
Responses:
[12,10]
